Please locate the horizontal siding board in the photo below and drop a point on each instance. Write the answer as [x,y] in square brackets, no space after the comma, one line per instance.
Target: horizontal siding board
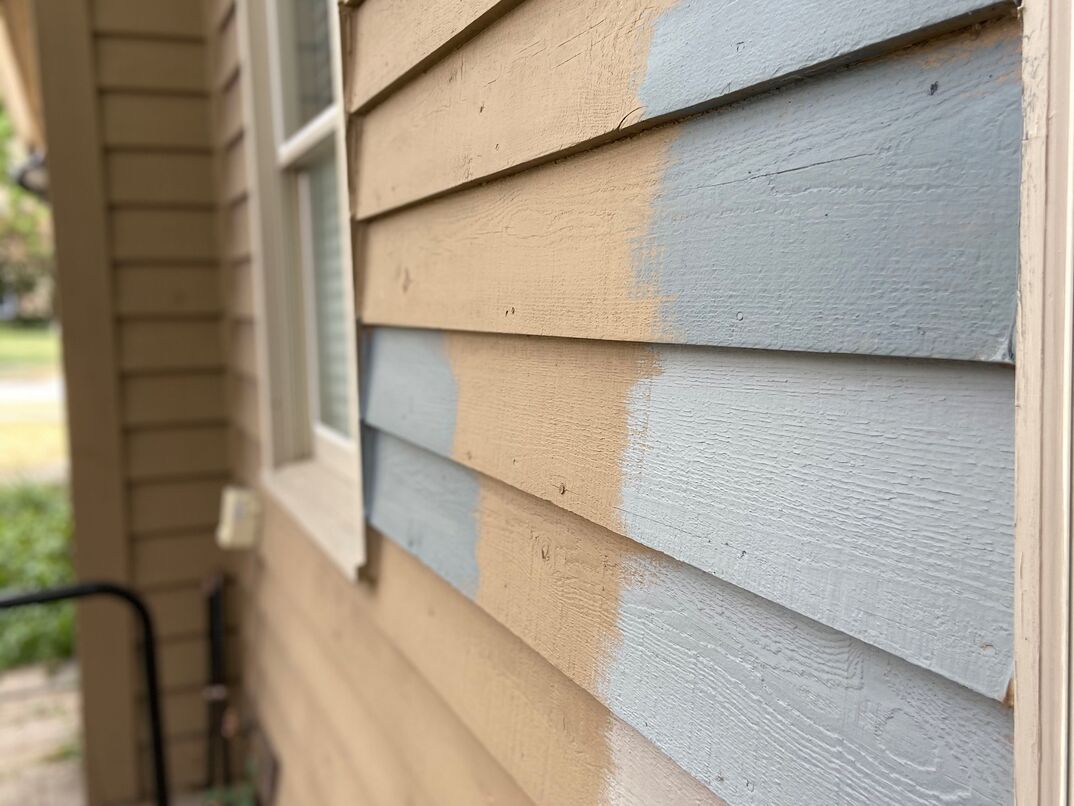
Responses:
[237,231]
[185,715]
[244,405]
[170,345]
[158,507]
[548,77]
[184,662]
[181,612]
[293,719]
[176,559]
[416,32]
[219,12]
[173,399]
[167,291]
[176,452]
[759,703]
[228,123]
[155,178]
[873,210]
[239,290]
[148,17]
[233,182]
[186,762]
[150,65]
[244,452]
[224,52]
[903,540]
[156,121]
[554,738]
[168,235]
[242,356]
[379,701]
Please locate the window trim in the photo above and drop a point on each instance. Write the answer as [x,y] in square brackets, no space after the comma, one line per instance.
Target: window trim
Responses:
[314,473]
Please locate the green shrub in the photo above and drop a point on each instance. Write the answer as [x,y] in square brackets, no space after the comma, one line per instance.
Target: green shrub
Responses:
[35,552]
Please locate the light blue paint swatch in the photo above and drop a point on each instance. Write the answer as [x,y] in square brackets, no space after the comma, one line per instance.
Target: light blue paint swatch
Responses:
[871,210]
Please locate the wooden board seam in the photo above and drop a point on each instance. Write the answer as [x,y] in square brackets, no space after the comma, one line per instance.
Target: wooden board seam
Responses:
[875,50]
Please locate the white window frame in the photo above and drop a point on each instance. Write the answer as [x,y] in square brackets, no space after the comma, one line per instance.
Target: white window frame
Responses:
[313,471]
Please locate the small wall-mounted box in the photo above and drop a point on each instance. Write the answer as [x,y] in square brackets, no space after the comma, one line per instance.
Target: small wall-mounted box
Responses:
[240,518]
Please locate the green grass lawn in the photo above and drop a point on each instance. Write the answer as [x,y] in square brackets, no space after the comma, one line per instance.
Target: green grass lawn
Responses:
[28,349]
[35,551]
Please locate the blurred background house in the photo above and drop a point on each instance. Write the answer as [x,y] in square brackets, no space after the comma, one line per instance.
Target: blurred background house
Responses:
[629,395]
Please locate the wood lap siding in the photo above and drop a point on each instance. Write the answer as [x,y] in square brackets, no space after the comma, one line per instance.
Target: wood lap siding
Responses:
[640,531]
[152,78]
[524,465]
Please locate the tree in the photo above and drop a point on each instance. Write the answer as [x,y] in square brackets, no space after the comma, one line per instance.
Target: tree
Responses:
[26,256]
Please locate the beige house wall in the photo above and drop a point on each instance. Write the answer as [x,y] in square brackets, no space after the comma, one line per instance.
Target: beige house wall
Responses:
[530,628]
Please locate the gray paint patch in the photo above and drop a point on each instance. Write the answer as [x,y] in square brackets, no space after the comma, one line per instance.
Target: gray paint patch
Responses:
[762,705]
[420,402]
[869,210]
[429,508]
[872,495]
[703,49]
[767,708]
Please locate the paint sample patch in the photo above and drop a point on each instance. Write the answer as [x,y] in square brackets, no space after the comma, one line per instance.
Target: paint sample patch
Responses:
[860,212]
[755,701]
[873,496]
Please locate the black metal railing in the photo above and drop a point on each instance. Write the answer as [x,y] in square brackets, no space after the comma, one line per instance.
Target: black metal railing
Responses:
[81,590]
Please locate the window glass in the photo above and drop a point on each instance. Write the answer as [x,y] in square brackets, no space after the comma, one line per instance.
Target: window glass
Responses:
[309,85]
[328,294]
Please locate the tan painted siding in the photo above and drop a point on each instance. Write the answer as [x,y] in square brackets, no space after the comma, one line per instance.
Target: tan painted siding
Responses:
[620,512]
[554,673]
[150,80]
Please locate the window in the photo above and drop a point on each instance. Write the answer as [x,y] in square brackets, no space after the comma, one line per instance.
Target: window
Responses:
[301,234]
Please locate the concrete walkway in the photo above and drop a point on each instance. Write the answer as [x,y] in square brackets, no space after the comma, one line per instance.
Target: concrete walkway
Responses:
[40,742]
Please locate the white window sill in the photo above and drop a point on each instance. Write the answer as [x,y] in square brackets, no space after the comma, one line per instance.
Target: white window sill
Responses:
[327,505]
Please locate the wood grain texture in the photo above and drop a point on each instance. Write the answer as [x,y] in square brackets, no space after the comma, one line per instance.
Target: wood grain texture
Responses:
[722,230]
[554,739]
[871,495]
[177,452]
[155,120]
[167,400]
[551,76]
[154,178]
[170,345]
[166,235]
[167,291]
[145,64]
[149,17]
[416,32]
[696,664]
